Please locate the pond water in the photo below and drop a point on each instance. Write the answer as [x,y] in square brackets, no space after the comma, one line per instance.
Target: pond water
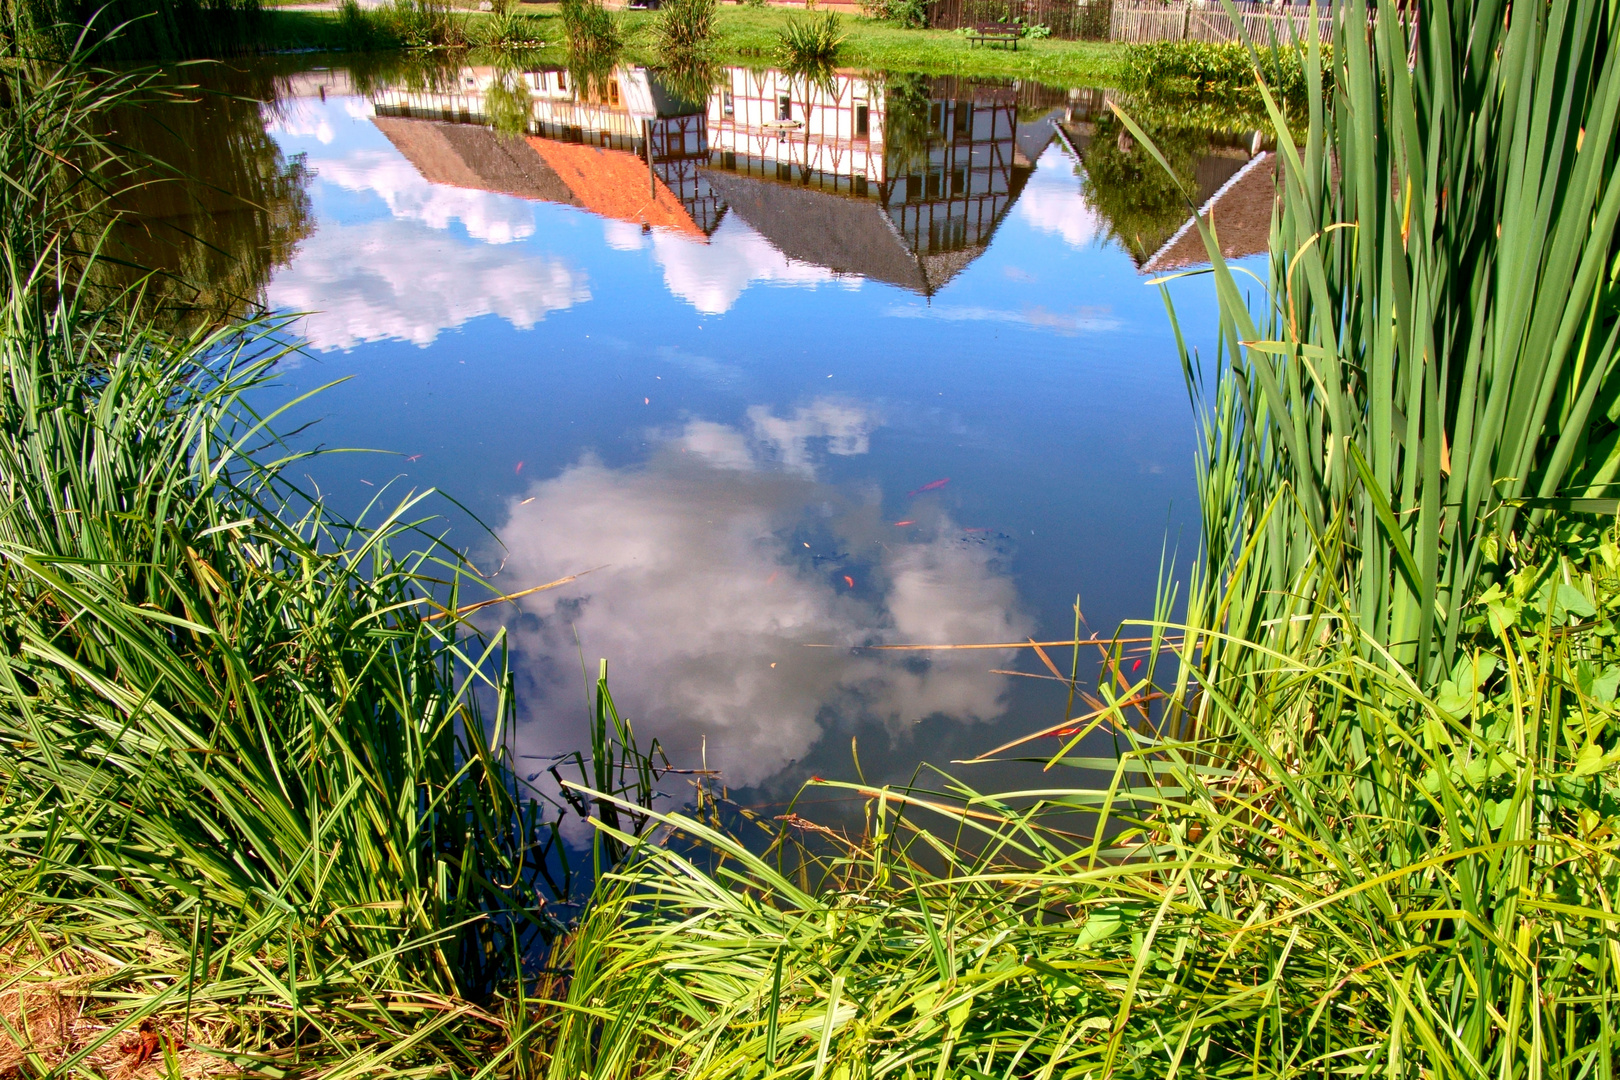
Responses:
[792,368]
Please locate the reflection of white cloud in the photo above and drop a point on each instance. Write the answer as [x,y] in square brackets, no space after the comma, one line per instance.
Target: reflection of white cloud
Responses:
[785,441]
[1052,202]
[712,276]
[303,117]
[400,280]
[1080,320]
[492,218]
[705,590]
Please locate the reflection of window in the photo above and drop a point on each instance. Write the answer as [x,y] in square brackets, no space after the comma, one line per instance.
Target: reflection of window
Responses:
[784,108]
[727,106]
[913,187]
[562,80]
[613,91]
[936,116]
[860,185]
[932,188]
[784,171]
[962,117]
[863,122]
[958,181]
[728,159]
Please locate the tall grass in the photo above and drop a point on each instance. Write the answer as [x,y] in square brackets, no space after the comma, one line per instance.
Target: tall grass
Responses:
[591,30]
[254,776]
[147,29]
[1355,815]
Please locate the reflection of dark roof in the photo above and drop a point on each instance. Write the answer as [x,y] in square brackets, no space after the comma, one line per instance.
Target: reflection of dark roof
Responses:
[471,156]
[1033,136]
[1241,212]
[845,234]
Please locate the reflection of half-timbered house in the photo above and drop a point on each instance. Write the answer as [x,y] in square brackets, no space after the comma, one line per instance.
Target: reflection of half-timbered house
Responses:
[626,149]
[830,173]
[905,188]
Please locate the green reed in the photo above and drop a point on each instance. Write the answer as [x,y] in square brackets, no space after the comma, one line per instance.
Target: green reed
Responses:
[255,776]
[1360,814]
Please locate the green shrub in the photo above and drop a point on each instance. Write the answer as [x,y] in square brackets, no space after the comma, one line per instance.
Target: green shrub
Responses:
[428,24]
[506,29]
[1221,73]
[909,13]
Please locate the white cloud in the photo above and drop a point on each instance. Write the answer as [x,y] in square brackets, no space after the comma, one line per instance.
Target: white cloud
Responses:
[712,276]
[1051,202]
[300,117]
[706,588]
[400,280]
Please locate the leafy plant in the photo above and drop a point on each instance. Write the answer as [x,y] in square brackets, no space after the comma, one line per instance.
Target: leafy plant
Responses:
[908,13]
[811,41]
[683,26]
[590,28]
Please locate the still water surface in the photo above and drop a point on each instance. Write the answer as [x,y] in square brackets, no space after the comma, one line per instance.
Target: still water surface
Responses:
[872,361]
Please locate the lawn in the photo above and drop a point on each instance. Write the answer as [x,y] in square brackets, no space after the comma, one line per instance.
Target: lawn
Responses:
[748,35]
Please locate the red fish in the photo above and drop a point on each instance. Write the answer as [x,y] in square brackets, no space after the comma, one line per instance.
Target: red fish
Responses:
[849,581]
[519,467]
[903,523]
[1136,666]
[414,457]
[771,578]
[932,485]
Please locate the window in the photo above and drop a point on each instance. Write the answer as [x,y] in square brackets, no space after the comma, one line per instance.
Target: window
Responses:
[860,185]
[784,171]
[962,118]
[863,122]
[914,187]
[613,91]
[936,117]
[959,182]
[727,106]
[784,108]
[728,159]
[562,80]
[932,187]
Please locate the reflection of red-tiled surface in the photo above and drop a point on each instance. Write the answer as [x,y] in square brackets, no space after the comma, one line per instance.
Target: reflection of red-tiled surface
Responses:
[614,184]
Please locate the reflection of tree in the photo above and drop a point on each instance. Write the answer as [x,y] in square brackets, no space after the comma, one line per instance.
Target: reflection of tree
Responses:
[908,127]
[211,206]
[1142,204]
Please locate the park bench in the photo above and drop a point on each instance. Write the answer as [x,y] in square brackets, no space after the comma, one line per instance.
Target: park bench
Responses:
[1001,34]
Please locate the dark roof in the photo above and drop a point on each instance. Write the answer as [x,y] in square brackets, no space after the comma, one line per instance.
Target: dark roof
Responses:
[472,156]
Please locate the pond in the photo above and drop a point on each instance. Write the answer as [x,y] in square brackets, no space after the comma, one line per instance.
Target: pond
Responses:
[791,369]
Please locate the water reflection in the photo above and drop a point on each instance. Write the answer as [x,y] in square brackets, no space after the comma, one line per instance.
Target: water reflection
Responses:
[726,556]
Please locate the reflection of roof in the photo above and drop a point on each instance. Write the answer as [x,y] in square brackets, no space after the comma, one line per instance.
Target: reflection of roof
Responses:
[845,234]
[469,156]
[1240,211]
[615,184]
[607,182]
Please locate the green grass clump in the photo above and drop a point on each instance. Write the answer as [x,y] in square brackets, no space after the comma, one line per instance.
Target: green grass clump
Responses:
[812,41]
[683,26]
[255,777]
[1221,74]
[1358,814]
[590,29]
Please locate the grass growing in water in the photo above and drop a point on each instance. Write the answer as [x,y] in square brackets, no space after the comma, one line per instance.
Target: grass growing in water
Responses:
[254,780]
[1364,822]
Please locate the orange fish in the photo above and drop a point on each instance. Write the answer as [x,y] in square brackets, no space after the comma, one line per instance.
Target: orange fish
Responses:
[932,485]
[899,524]
[772,577]
[414,457]
[849,581]
[519,467]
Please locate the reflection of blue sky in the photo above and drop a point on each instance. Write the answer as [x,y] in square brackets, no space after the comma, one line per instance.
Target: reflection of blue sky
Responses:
[695,413]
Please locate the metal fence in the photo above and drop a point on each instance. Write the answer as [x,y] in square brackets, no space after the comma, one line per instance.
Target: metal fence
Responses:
[1137,20]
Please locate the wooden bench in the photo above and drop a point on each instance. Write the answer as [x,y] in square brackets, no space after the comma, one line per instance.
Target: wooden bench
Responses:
[996,34]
